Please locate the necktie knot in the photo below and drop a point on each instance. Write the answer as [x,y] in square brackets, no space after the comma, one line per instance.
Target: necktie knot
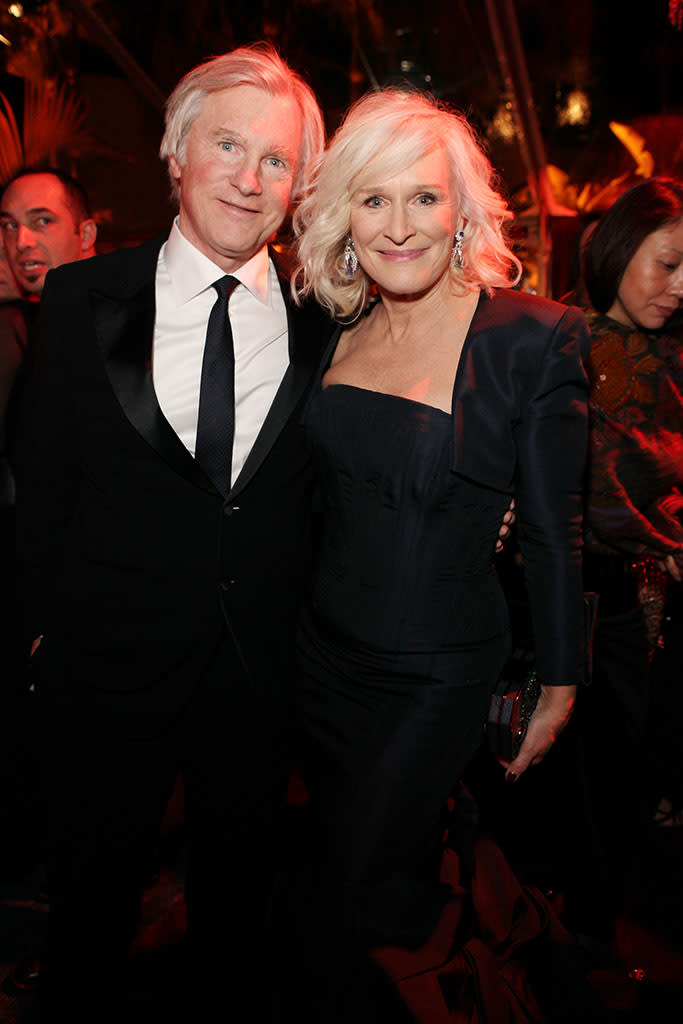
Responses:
[225,286]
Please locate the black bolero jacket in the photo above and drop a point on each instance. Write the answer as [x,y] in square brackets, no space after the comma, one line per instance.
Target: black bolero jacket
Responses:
[521,426]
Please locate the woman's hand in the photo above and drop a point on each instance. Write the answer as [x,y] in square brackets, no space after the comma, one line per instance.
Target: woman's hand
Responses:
[553,711]
[666,515]
[670,566]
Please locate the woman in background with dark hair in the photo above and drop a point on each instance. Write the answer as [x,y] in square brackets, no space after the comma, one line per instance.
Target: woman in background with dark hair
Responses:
[634,537]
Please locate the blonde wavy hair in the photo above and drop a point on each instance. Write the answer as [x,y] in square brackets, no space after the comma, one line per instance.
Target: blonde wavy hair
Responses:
[382,134]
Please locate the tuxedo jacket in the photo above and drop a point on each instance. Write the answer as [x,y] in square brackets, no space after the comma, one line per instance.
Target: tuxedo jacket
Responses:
[133,563]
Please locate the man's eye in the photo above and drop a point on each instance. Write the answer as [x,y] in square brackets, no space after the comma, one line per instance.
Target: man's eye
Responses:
[227,146]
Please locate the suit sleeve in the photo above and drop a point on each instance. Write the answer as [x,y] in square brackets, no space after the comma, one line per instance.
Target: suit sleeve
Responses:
[46,463]
[551,440]
[12,347]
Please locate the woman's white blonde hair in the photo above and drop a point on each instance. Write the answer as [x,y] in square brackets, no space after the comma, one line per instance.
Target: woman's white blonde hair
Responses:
[382,134]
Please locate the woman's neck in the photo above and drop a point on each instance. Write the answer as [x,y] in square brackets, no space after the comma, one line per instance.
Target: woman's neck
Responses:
[407,314]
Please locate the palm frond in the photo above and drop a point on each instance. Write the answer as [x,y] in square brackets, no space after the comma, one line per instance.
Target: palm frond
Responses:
[11,149]
[53,121]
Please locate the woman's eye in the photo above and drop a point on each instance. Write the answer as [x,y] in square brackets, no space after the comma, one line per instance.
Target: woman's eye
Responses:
[373,201]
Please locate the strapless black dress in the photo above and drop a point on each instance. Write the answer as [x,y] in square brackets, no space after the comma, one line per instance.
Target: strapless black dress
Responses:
[399,649]
[405,565]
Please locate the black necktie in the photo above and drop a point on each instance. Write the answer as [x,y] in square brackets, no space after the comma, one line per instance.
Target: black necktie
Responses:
[216,423]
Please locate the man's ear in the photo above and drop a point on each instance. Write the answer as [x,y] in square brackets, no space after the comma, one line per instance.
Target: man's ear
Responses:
[174,167]
[87,230]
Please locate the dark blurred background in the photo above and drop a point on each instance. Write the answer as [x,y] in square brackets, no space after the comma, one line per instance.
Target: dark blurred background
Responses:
[600,84]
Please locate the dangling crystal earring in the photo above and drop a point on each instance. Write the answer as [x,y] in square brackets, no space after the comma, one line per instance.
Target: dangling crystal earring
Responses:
[350,258]
[457,258]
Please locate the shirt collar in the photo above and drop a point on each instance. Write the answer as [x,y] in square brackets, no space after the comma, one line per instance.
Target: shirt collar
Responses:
[191,272]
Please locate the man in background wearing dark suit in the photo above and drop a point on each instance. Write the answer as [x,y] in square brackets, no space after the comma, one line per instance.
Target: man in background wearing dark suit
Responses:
[165,541]
[45,221]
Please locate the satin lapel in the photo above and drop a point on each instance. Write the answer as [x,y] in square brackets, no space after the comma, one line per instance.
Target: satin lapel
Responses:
[484,397]
[305,327]
[124,327]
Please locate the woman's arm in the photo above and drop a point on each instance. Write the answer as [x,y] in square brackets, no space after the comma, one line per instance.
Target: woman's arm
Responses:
[632,506]
[551,440]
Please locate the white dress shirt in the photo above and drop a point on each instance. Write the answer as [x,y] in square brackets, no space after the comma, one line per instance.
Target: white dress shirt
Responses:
[258,318]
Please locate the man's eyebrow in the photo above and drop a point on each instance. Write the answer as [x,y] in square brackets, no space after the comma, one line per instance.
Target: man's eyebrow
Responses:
[283,151]
[224,130]
[35,211]
[39,210]
[280,151]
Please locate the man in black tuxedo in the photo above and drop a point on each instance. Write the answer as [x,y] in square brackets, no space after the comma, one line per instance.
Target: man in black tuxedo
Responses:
[45,221]
[165,539]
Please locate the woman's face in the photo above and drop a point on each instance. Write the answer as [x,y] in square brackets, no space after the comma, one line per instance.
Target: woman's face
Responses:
[402,227]
[651,289]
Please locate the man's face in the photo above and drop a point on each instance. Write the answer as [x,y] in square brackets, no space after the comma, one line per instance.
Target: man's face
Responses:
[39,229]
[236,179]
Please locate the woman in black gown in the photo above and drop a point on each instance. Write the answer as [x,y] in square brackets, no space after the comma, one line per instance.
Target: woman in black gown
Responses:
[443,395]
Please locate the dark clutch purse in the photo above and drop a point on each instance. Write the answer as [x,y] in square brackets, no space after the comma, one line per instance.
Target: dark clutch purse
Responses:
[515,697]
[512,704]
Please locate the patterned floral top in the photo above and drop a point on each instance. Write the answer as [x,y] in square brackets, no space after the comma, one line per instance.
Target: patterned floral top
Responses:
[634,493]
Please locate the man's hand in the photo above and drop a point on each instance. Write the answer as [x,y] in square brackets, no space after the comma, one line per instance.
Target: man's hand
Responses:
[504,531]
[553,711]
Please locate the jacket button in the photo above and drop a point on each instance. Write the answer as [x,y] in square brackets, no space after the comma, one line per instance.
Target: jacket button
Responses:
[229,509]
